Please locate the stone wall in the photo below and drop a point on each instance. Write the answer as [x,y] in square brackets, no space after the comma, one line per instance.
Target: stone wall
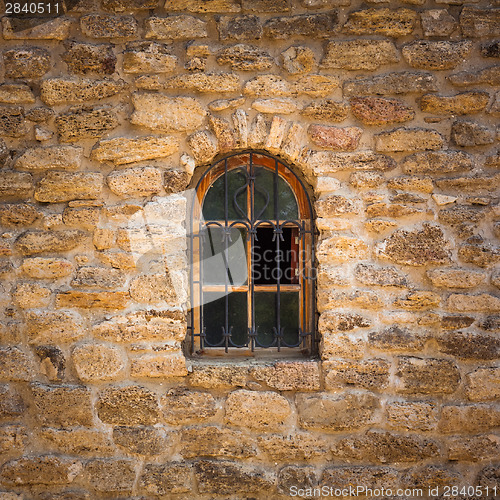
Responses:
[388,110]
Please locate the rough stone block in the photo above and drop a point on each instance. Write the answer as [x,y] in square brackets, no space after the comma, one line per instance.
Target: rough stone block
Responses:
[397,338]
[468,419]
[30,295]
[92,300]
[159,366]
[295,477]
[85,123]
[470,345]
[337,478]
[15,364]
[489,76]
[148,57]
[326,110]
[459,104]
[408,139]
[142,440]
[153,289]
[175,28]
[16,215]
[473,449]
[372,374]
[167,478]
[298,447]
[437,22]
[78,90]
[381,111]
[437,162]
[218,376]
[57,187]
[134,182]
[12,122]
[16,93]
[86,58]
[50,158]
[436,55]
[311,25]
[342,249]
[11,403]
[108,26]
[182,406]
[26,62]
[76,441]
[335,205]
[242,57]
[239,28]
[289,376]
[466,133]
[431,476]
[31,29]
[298,60]
[35,242]
[455,277]
[370,275]
[46,268]
[413,416]
[13,438]
[477,22]
[97,362]
[261,6]
[483,384]
[389,22]
[203,6]
[128,5]
[111,475]
[335,138]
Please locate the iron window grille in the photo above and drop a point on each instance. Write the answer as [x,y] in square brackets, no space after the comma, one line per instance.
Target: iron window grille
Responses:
[250,210]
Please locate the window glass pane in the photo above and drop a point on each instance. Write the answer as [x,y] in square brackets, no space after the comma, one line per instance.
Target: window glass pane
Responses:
[266,317]
[214,316]
[218,262]
[264,197]
[213,206]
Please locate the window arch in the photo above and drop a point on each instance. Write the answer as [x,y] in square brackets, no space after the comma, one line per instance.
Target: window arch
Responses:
[252,258]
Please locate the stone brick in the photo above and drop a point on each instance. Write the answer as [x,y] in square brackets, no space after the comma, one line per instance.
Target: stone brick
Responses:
[316,85]
[13,438]
[335,138]
[244,57]
[223,104]
[218,376]
[203,6]
[426,376]
[473,449]
[85,123]
[266,5]
[76,441]
[412,415]
[46,268]
[53,326]
[418,301]
[92,300]
[469,419]
[459,104]
[477,22]
[257,410]
[15,364]
[167,478]
[107,26]
[72,90]
[11,403]
[430,476]
[436,55]
[490,76]
[185,407]
[159,112]
[437,162]
[295,448]
[289,376]
[97,362]
[118,260]
[275,106]
[204,82]
[152,289]
[134,182]
[159,366]
[18,215]
[342,249]
[472,184]
[326,110]
[371,374]
[380,111]
[110,475]
[15,185]
[336,413]
[298,60]
[359,54]
[12,122]
[408,139]
[26,62]
[416,247]
[473,303]
[268,86]
[52,362]
[40,470]
[62,405]
[203,146]
[122,150]
[342,321]
[128,405]
[50,158]
[175,27]
[335,205]
[388,22]
[490,49]
[470,345]
[148,57]
[29,295]
[31,29]
[337,478]
[483,384]
[397,338]
[385,447]
[57,187]
[311,25]
[404,82]
[87,58]
[455,277]
[98,277]
[142,440]
[395,210]
[437,22]
[223,477]
[239,28]
[370,275]
[86,217]
[466,133]
[456,322]
[411,183]
[479,252]
[128,5]
[366,180]
[210,441]
[16,93]
[358,299]
[489,476]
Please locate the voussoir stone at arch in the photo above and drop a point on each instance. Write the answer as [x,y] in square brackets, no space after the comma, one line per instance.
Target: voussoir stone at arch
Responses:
[160,112]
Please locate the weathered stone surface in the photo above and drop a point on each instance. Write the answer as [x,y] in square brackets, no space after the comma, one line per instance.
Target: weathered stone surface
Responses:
[490,49]
[469,419]
[43,470]
[473,303]
[164,479]
[455,277]
[62,405]
[437,162]
[470,345]
[281,106]
[122,150]
[204,82]
[326,110]
[301,477]
[148,57]
[336,413]
[381,111]
[76,441]
[85,123]
[335,138]
[222,104]
[459,104]
[477,22]
[245,58]
[26,62]
[110,475]
[359,54]
[394,210]
[426,376]
[107,26]
[437,22]
[371,374]
[35,242]
[490,76]
[203,146]
[268,86]
[397,338]
[385,447]
[416,247]
[373,478]
[297,447]
[224,477]
[408,139]
[182,406]
[49,327]
[312,25]
[343,322]
[30,295]
[159,112]
[17,215]
[15,364]
[411,183]
[366,180]
[456,322]
[86,217]
[239,28]
[483,384]
[128,5]
[46,268]
[289,376]
[97,362]
[57,187]
[342,249]
[466,133]
[370,275]
[52,362]
[141,440]
[12,123]
[257,410]
[133,182]
[404,82]
[357,299]
[91,300]
[473,448]
[298,60]
[412,416]
[436,55]
[218,376]
[152,288]
[86,58]
[388,22]
[335,205]
[479,252]
[159,366]
[50,158]
[11,403]
[418,300]
[15,185]
[31,29]
[431,476]
[73,90]
[16,93]
[129,405]
[211,441]
[13,438]
[175,28]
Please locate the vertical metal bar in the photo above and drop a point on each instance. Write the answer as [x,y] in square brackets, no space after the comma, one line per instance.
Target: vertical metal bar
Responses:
[226,263]
[191,272]
[250,211]
[303,280]
[278,262]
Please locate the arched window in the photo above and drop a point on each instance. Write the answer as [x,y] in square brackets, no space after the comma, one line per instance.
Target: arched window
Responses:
[252,257]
